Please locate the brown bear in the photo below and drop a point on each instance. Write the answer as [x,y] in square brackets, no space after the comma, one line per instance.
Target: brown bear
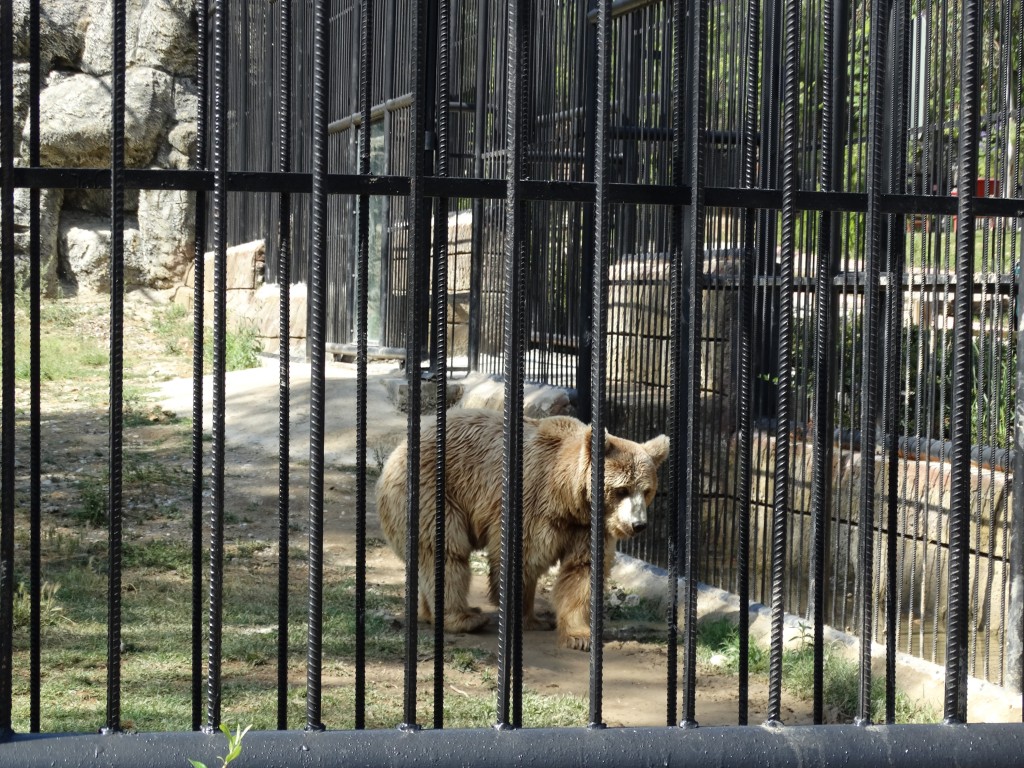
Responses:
[556,511]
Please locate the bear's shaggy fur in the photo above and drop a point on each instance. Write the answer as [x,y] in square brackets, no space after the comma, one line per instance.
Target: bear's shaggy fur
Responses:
[556,511]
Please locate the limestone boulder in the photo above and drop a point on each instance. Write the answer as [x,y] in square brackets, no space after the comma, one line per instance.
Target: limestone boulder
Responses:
[166,220]
[167,36]
[75,125]
[159,34]
[84,245]
[63,24]
[21,101]
[49,217]
[97,50]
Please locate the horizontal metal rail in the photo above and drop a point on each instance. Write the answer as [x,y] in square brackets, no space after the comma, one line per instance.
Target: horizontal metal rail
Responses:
[495,189]
[902,746]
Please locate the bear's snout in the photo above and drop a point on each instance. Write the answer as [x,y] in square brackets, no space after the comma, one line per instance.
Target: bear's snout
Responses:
[638,527]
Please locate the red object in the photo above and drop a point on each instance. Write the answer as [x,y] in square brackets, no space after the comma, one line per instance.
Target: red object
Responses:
[982,188]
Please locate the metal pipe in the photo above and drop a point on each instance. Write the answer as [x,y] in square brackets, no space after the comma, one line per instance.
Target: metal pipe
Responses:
[897,746]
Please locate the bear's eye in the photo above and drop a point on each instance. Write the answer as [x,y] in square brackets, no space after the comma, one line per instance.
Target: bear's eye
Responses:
[620,493]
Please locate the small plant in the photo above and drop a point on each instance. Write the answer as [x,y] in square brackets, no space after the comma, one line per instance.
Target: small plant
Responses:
[234,745]
[92,509]
[242,348]
[50,611]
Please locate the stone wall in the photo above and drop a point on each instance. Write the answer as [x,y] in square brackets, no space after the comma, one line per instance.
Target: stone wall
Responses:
[75,129]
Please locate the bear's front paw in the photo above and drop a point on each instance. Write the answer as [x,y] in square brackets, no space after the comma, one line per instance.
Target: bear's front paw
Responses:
[575,642]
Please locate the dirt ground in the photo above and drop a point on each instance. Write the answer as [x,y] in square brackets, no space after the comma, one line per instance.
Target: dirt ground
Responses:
[74,433]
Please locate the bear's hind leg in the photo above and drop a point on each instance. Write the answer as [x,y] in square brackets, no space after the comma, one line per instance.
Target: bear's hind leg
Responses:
[458,616]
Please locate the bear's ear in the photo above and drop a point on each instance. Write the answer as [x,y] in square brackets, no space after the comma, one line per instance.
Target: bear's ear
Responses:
[657,449]
[588,437]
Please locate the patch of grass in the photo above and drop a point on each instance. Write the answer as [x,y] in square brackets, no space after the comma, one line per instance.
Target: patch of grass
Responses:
[51,612]
[174,329]
[466,659]
[722,637]
[160,555]
[841,682]
[841,687]
[561,711]
[65,354]
[623,606]
[60,359]
[242,348]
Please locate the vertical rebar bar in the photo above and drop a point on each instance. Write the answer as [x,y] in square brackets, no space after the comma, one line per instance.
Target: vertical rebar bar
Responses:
[598,364]
[362,353]
[745,332]
[7,412]
[677,363]
[695,289]
[510,684]
[783,435]
[115,427]
[416,288]
[218,164]
[955,702]
[35,404]
[825,308]
[483,59]
[893,349]
[440,362]
[284,279]
[318,361]
[869,329]
[198,342]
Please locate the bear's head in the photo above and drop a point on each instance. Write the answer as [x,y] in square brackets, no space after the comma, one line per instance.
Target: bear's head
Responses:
[630,482]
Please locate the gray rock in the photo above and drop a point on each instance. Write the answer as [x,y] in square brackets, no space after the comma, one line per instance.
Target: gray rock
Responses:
[167,225]
[183,138]
[49,216]
[167,36]
[63,25]
[21,101]
[76,118]
[97,54]
[84,244]
[98,200]
[186,100]
[159,34]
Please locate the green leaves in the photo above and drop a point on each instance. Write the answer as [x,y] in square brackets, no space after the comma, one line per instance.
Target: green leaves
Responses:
[234,745]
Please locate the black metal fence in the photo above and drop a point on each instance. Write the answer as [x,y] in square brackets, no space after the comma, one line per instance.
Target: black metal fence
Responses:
[918,138]
[733,222]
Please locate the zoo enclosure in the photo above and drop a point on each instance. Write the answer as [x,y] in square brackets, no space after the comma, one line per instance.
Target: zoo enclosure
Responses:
[918,131]
[804,246]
